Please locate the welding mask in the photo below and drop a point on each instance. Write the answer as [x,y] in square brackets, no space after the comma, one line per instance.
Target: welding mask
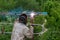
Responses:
[23,18]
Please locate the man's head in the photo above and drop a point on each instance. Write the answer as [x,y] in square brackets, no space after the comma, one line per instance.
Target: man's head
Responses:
[23,18]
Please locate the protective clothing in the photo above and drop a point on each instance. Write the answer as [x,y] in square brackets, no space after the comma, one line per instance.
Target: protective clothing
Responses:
[20,31]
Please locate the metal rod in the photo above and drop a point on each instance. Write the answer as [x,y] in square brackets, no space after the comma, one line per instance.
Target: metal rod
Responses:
[11,32]
[31,24]
[7,32]
[36,24]
[5,23]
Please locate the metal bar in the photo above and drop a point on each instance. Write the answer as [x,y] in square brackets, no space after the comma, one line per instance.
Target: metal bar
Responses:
[36,24]
[5,23]
[34,33]
[7,32]
[32,24]
[11,32]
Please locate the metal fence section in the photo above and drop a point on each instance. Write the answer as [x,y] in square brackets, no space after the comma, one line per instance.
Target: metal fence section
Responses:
[11,17]
[40,33]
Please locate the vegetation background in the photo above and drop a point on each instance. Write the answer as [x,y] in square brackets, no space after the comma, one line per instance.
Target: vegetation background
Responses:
[53,17]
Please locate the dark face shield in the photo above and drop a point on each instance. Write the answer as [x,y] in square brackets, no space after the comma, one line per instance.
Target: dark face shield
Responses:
[23,19]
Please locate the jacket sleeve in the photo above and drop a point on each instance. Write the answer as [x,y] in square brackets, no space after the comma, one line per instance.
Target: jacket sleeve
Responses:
[15,32]
[28,32]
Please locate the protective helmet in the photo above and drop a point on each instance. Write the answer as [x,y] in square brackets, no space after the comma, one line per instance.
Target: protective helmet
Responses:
[23,18]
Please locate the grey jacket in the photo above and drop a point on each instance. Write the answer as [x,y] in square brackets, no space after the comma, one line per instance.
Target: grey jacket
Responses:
[20,31]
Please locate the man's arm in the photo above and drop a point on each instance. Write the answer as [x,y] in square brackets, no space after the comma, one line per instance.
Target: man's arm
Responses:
[28,32]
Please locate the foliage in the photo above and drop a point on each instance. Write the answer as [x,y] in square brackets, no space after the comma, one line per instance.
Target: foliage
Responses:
[6,5]
[53,17]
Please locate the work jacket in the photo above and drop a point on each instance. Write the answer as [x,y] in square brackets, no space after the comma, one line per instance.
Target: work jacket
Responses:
[20,31]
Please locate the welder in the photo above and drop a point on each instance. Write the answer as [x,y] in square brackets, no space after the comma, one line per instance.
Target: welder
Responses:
[20,30]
